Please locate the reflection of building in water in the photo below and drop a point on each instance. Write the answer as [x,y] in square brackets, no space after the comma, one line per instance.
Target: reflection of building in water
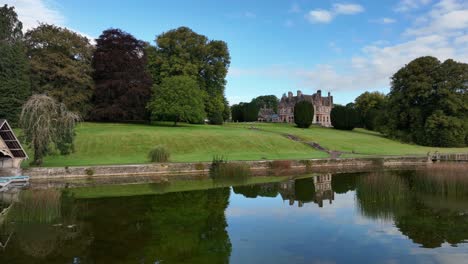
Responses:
[323,189]
[319,191]
[287,191]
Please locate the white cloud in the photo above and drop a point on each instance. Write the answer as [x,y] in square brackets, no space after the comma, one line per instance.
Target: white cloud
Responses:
[407,5]
[319,16]
[33,12]
[348,9]
[372,67]
[326,16]
[387,20]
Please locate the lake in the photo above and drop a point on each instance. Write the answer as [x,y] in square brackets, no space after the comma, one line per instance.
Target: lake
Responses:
[404,216]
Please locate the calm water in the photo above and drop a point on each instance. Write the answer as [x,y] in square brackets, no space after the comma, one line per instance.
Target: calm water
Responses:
[377,217]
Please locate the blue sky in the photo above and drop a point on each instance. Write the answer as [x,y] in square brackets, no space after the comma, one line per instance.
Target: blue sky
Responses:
[345,47]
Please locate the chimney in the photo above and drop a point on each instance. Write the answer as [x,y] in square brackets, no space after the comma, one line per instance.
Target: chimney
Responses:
[328,94]
[290,95]
[299,93]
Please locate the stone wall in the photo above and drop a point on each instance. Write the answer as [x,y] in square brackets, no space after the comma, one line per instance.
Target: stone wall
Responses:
[258,167]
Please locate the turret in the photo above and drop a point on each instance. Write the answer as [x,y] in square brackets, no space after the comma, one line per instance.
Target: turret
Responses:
[319,93]
[290,95]
[299,93]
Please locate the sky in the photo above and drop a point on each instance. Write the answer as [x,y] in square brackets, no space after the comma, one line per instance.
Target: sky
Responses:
[343,47]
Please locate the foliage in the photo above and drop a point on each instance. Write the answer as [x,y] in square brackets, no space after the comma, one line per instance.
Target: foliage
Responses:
[177,98]
[14,67]
[89,171]
[370,105]
[303,114]
[159,154]
[269,101]
[280,165]
[123,86]
[344,117]
[245,112]
[215,118]
[426,95]
[41,206]
[184,52]
[45,122]
[61,66]
[221,170]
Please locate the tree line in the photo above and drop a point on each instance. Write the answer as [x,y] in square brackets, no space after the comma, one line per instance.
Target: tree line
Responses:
[120,78]
[427,105]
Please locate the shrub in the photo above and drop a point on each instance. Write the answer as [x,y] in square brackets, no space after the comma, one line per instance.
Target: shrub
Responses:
[344,117]
[159,154]
[280,165]
[303,114]
[216,118]
[89,171]
[222,170]
[199,166]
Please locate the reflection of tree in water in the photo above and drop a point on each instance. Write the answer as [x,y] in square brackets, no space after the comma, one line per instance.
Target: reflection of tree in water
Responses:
[172,228]
[43,227]
[411,199]
[190,227]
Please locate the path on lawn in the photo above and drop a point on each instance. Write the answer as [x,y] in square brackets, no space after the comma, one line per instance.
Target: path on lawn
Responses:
[334,154]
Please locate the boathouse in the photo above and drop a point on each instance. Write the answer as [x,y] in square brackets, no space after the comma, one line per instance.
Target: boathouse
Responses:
[11,151]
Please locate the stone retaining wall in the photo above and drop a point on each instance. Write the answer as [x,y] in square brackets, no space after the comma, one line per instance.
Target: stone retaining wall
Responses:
[257,167]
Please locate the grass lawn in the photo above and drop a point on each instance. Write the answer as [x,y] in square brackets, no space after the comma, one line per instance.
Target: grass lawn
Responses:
[107,143]
[362,142]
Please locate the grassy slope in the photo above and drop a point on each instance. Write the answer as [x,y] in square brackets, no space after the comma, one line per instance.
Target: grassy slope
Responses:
[99,144]
[360,141]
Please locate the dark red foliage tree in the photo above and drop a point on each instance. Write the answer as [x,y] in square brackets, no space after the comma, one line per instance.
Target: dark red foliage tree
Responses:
[123,86]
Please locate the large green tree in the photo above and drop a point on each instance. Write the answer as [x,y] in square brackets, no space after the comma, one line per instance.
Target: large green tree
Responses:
[123,84]
[14,69]
[344,117]
[369,106]
[303,114]
[46,123]
[184,52]
[428,103]
[269,101]
[61,66]
[177,98]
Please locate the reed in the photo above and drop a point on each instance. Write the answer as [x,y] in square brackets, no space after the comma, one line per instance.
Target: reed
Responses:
[159,154]
[36,206]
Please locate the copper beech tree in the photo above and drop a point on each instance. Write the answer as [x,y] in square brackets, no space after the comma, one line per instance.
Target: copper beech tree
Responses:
[122,84]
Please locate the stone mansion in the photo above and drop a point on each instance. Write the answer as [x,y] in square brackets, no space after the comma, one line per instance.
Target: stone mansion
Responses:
[322,108]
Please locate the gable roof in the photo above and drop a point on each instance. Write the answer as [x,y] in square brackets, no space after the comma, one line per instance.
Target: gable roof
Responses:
[12,143]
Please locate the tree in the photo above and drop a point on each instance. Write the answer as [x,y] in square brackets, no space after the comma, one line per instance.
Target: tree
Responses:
[369,105]
[270,101]
[61,66]
[237,113]
[344,117]
[183,52]
[123,85]
[46,122]
[14,67]
[428,88]
[177,98]
[303,114]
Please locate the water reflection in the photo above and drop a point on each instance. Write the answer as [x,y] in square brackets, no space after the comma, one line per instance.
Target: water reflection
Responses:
[409,209]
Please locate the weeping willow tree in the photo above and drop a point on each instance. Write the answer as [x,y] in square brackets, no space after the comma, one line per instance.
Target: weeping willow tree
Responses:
[47,124]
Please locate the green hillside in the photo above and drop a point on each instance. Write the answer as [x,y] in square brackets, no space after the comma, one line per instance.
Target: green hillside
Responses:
[107,143]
